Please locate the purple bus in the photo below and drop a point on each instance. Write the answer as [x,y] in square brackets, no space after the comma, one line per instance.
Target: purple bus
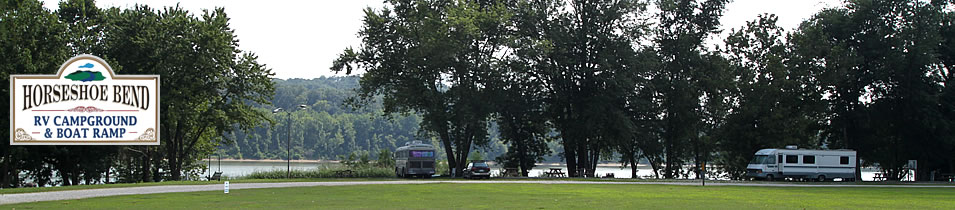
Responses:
[415,159]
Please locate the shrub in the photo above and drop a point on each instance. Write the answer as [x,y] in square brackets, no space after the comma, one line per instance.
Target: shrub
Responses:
[326,172]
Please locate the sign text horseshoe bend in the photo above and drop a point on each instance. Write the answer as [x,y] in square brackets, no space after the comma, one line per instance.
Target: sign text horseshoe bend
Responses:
[84,103]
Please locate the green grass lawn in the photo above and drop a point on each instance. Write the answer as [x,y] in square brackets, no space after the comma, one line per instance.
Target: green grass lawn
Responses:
[529,196]
[144,184]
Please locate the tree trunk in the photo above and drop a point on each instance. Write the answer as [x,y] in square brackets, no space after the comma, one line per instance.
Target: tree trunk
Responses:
[699,159]
[668,168]
[594,159]
[448,151]
[570,156]
[669,150]
[653,166]
[465,149]
[41,181]
[155,169]
[858,172]
[633,164]
[173,160]
[582,157]
[5,168]
[76,175]
[951,166]
[145,165]
[66,177]
[521,155]
[173,146]
[16,179]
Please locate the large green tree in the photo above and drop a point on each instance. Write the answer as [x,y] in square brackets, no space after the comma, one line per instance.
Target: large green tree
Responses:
[435,58]
[688,84]
[581,55]
[32,41]
[946,52]
[519,107]
[881,67]
[207,83]
[772,105]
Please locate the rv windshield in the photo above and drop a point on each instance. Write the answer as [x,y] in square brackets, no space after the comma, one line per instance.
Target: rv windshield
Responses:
[763,159]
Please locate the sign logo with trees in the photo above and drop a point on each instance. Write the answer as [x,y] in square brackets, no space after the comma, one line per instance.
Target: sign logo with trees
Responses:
[84,103]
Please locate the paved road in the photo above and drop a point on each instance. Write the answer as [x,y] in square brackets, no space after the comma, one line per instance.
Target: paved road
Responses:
[80,194]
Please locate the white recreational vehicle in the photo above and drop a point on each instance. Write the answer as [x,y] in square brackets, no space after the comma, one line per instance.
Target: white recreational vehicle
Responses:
[796,163]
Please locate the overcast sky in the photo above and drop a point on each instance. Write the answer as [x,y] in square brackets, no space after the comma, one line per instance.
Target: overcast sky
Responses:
[299,39]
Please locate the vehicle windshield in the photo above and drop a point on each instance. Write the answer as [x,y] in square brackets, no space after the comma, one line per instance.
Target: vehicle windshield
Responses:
[480,164]
[763,159]
[424,154]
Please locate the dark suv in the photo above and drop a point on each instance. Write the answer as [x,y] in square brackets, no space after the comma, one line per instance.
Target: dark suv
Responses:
[477,169]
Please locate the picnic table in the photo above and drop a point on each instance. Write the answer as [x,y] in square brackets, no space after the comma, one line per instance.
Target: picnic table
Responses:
[879,177]
[511,172]
[555,172]
[216,176]
[949,177]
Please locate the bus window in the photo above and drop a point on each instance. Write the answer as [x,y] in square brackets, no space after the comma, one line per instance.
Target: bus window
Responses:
[425,154]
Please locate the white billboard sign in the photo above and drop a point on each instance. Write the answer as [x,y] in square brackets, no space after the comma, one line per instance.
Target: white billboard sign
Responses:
[84,103]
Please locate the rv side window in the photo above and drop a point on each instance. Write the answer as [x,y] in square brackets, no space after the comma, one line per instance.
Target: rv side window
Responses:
[844,160]
[780,159]
[792,159]
[808,159]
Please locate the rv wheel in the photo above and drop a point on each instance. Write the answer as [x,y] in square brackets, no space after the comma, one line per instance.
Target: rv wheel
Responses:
[822,178]
[769,177]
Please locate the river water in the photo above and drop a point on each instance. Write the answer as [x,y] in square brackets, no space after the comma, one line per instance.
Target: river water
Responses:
[239,168]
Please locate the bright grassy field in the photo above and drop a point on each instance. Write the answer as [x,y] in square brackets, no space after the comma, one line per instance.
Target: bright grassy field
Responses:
[528,196]
[144,184]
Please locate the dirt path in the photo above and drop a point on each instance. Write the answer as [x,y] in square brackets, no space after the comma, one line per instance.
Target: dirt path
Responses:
[80,194]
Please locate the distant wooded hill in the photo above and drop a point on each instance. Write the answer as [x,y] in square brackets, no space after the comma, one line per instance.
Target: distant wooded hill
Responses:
[327,128]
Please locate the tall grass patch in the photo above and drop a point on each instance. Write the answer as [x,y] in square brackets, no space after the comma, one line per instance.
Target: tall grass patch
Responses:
[325,172]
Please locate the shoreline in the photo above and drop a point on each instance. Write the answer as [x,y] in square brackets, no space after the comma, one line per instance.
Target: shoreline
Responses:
[338,161]
[269,160]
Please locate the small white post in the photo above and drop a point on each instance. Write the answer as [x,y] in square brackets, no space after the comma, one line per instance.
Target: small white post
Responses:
[226,187]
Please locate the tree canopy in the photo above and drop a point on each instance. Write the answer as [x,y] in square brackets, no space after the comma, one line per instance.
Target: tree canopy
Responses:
[207,84]
[609,78]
